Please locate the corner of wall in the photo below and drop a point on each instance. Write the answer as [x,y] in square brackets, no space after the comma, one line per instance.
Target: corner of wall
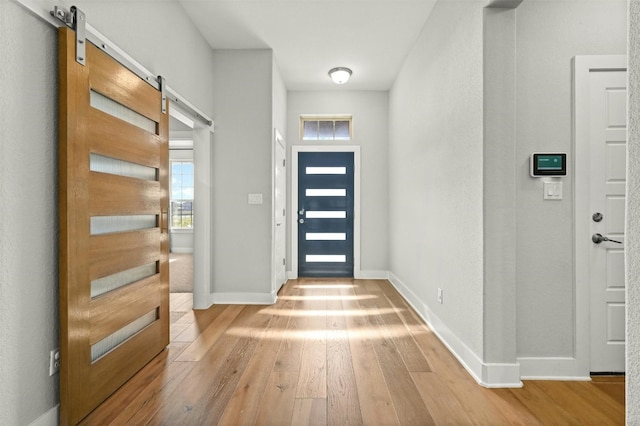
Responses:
[440,86]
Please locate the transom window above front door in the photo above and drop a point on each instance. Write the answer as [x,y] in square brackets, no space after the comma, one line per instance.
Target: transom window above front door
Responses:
[326,128]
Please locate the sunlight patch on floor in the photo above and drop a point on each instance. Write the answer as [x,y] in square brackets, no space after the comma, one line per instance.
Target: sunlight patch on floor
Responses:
[327,297]
[360,333]
[330,312]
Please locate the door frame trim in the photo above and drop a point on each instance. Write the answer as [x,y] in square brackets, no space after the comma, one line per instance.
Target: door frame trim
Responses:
[295,149]
[278,140]
[583,65]
[200,136]
[203,205]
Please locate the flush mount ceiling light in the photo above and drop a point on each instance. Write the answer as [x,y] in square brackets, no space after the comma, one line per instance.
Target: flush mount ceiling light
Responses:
[340,75]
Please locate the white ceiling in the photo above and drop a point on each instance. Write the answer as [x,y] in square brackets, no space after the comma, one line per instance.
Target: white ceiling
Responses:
[309,37]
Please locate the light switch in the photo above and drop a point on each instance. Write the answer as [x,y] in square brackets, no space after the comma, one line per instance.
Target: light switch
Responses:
[255,198]
[552,190]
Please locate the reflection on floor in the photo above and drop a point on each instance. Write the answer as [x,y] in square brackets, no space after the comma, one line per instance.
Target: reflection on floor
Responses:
[179,305]
[333,352]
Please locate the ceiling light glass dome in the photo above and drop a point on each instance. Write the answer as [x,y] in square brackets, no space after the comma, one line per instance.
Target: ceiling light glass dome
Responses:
[340,75]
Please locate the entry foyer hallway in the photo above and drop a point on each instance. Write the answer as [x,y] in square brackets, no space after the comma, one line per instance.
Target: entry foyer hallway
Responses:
[333,352]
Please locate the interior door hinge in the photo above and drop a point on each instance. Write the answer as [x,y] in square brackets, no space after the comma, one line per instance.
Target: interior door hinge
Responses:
[76,19]
[284,262]
[163,90]
[284,212]
[284,162]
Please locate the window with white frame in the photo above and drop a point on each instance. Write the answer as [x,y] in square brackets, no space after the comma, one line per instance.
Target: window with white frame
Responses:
[326,128]
[181,195]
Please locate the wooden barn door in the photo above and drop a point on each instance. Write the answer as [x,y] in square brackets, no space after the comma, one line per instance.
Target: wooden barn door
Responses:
[114,281]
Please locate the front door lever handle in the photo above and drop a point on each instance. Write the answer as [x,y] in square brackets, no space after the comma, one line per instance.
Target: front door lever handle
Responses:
[598,238]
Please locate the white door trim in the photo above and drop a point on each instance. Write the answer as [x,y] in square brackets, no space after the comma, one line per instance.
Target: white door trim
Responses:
[278,141]
[199,137]
[295,149]
[202,208]
[582,66]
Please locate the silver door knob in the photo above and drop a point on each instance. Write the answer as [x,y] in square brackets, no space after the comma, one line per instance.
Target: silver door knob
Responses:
[301,220]
[598,238]
[597,217]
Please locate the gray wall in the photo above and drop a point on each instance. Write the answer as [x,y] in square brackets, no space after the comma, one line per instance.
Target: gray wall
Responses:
[279,106]
[549,34]
[28,173]
[632,236]
[435,169]
[28,229]
[465,215]
[243,144]
[160,36]
[370,131]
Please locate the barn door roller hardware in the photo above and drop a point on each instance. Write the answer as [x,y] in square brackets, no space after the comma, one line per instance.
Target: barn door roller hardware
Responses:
[75,19]
[163,91]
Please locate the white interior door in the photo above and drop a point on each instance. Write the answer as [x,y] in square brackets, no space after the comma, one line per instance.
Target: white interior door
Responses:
[279,213]
[607,144]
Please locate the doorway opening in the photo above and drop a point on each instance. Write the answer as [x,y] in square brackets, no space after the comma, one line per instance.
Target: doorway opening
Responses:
[181,217]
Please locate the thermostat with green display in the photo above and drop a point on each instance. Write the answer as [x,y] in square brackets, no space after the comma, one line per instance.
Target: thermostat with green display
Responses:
[548,164]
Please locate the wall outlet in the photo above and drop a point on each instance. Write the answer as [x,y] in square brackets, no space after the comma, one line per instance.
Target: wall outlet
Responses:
[440,295]
[54,362]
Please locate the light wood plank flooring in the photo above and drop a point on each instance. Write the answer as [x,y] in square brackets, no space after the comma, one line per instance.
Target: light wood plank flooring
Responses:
[336,352]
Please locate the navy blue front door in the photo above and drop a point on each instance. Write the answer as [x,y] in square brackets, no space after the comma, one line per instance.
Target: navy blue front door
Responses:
[325,214]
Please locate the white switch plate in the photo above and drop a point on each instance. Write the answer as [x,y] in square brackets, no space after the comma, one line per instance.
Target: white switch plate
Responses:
[255,198]
[552,190]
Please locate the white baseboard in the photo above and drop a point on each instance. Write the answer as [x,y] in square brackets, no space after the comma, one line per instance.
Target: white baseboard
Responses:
[487,375]
[243,298]
[364,275]
[372,275]
[182,250]
[50,418]
[496,375]
[553,368]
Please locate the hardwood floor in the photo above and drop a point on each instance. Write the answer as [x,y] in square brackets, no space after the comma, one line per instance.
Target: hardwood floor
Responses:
[334,352]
